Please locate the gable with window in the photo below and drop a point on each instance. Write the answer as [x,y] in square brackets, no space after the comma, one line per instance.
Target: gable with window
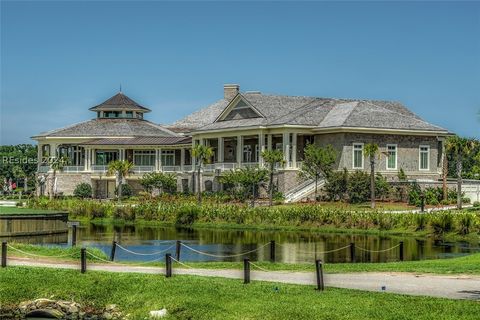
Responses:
[239,109]
[357,156]
[424,158]
[391,157]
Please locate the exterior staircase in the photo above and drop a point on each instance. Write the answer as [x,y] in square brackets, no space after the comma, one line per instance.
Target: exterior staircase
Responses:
[303,190]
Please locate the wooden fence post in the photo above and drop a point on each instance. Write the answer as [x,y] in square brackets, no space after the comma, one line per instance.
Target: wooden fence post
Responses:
[74,235]
[401,250]
[246,270]
[112,252]
[177,250]
[272,251]
[4,254]
[319,271]
[352,252]
[168,265]
[83,260]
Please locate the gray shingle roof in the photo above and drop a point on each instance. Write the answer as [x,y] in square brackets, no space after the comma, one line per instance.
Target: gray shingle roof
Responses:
[311,111]
[144,141]
[119,102]
[111,128]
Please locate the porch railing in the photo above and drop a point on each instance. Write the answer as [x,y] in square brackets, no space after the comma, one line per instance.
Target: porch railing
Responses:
[43,169]
[143,169]
[171,168]
[70,169]
[99,168]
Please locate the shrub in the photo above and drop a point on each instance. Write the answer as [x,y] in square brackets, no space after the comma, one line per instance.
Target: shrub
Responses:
[336,185]
[420,221]
[476,204]
[358,187]
[126,190]
[83,190]
[465,223]
[442,223]
[382,187]
[187,215]
[414,192]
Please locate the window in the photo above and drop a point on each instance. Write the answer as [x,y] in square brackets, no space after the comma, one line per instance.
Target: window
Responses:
[168,157]
[105,157]
[128,114]
[358,156]
[424,157]
[45,153]
[144,157]
[111,114]
[391,157]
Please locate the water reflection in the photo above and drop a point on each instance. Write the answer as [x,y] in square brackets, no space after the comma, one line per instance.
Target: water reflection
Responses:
[292,247]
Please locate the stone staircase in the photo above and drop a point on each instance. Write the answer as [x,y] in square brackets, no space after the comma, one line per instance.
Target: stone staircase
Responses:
[303,190]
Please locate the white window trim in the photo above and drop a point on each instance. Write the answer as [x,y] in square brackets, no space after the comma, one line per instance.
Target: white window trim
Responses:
[396,157]
[353,156]
[420,157]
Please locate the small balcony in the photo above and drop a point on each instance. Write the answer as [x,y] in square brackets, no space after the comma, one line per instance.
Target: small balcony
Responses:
[73,169]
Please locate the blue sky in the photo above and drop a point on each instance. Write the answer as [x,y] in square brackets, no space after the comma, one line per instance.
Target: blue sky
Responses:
[60,58]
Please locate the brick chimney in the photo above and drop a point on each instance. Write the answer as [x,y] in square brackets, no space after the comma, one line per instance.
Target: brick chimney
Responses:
[230,91]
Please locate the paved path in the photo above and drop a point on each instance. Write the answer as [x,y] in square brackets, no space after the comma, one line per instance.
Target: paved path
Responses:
[447,286]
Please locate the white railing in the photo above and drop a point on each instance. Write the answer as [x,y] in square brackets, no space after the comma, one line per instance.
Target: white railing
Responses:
[99,168]
[171,168]
[143,169]
[249,164]
[70,169]
[43,169]
[303,190]
[187,168]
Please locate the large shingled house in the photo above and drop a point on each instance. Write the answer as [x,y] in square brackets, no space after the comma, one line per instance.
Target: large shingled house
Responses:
[239,127]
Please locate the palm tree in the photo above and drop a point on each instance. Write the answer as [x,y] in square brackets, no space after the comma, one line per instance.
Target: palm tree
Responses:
[272,158]
[56,164]
[371,151]
[202,154]
[459,147]
[121,169]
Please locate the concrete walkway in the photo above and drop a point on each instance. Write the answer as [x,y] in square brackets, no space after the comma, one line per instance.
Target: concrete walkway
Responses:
[446,286]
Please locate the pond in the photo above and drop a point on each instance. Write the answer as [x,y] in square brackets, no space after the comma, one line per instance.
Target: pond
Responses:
[291,246]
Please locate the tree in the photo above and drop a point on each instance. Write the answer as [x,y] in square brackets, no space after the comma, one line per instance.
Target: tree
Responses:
[272,158]
[164,182]
[202,154]
[121,169]
[56,164]
[23,156]
[460,148]
[247,179]
[18,174]
[318,162]
[371,151]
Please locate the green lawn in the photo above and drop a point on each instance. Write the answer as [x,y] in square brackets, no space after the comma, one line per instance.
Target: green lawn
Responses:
[188,297]
[17,210]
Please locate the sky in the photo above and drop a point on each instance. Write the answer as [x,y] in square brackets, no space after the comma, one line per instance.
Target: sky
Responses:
[60,58]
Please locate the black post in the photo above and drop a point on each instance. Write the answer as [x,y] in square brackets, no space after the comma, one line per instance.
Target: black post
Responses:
[272,251]
[112,252]
[4,254]
[74,235]
[177,250]
[246,270]
[352,252]
[401,250]
[319,269]
[168,265]
[83,260]
[422,202]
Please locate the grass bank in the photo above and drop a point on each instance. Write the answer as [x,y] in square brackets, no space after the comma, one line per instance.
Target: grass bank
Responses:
[182,212]
[17,210]
[187,297]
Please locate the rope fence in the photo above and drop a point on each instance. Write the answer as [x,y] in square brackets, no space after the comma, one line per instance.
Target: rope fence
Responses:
[223,256]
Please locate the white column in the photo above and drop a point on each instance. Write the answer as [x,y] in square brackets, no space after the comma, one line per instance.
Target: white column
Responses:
[159,159]
[286,149]
[269,141]
[182,158]
[239,149]
[261,147]
[220,150]
[87,151]
[294,150]
[39,156]
[121,154]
